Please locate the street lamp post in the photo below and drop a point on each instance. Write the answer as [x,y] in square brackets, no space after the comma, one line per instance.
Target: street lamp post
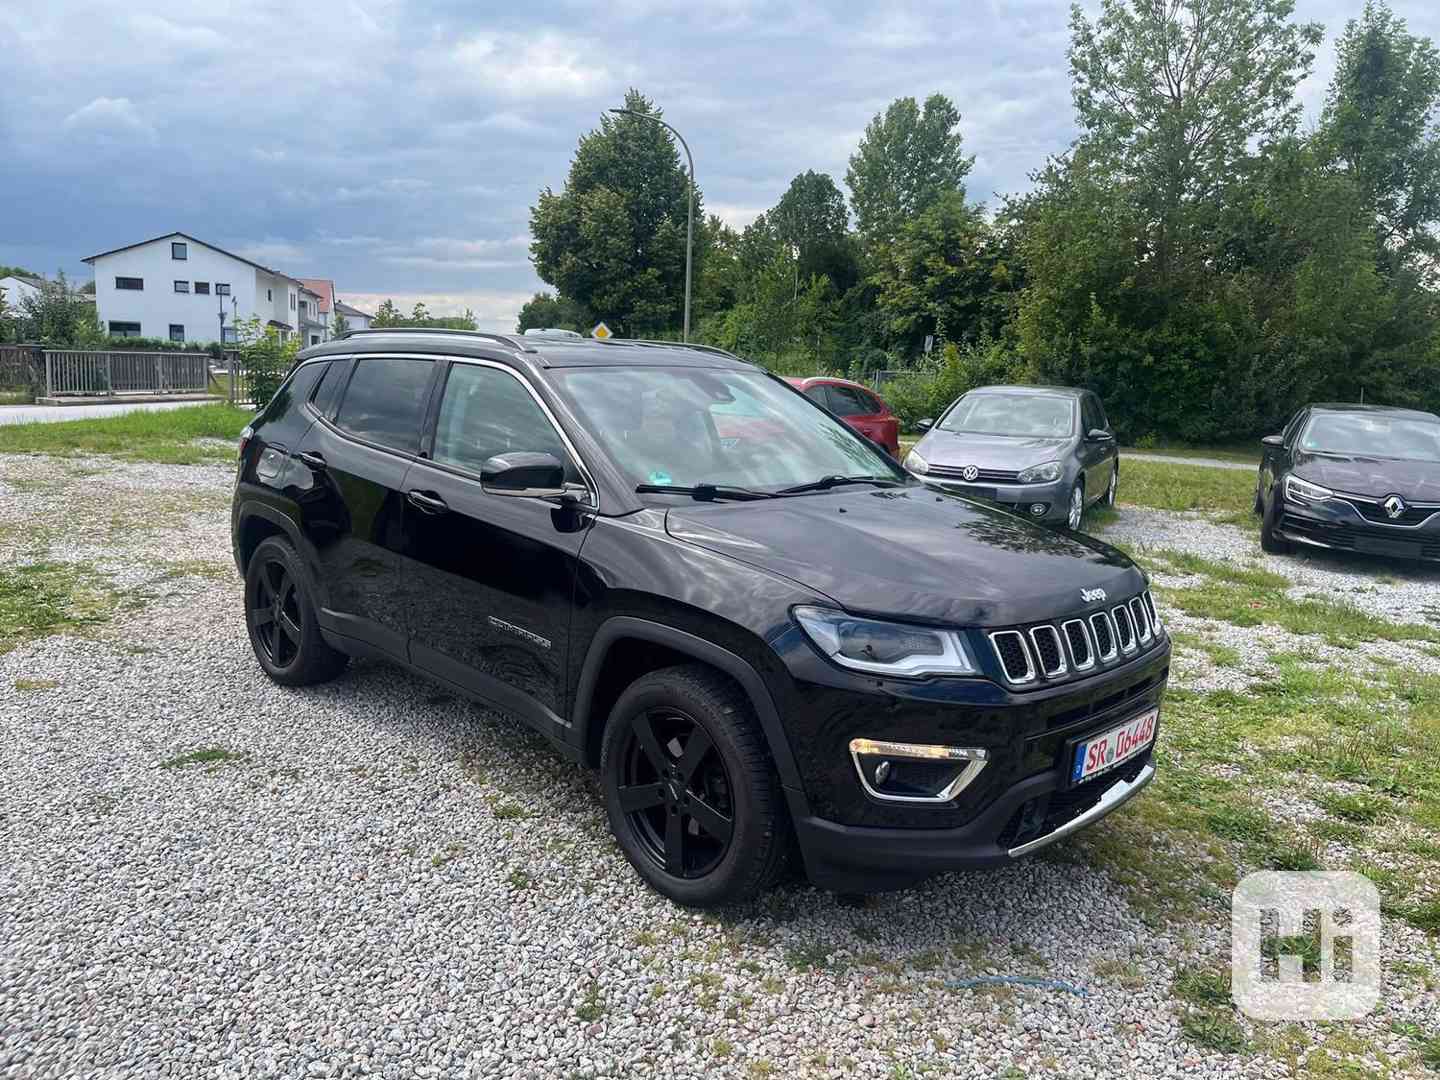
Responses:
[690,214]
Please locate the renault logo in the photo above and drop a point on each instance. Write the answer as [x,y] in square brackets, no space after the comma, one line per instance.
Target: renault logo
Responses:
[1394,506]
[971,472]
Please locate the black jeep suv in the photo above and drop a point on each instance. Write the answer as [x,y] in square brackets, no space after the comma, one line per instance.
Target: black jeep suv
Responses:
[677,568]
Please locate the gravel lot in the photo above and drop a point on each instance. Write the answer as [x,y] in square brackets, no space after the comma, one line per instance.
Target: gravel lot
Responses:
[375,877]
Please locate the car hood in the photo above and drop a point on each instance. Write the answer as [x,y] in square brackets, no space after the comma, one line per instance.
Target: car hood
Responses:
[914,553]
[1014,452]
[1418,481]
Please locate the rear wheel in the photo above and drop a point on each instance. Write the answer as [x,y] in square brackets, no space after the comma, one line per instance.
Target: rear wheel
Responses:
[280,617]
[691,792]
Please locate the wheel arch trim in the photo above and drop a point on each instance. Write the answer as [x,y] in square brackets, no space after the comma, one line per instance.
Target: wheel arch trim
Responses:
[620,627]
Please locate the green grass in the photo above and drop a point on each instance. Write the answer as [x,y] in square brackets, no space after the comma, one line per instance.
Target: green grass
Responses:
[1246,574]
[210,755]
[1242,453]
[1166,486]
[165,437]
[45,598]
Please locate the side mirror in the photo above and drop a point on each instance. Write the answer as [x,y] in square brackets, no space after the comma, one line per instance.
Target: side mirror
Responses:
[926,424]
[523,473]
[1099,435]
[1275,441]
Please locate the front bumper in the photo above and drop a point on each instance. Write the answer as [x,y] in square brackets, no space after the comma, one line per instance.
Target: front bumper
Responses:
[1338,525]
[857,859]
[1014,497]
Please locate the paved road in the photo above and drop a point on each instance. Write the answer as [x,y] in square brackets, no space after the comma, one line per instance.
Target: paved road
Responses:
[1170,459]
[43,414]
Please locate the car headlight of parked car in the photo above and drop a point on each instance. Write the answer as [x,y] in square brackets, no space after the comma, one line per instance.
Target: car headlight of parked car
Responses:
[916,464]
[1040,474]
[1302,491]
[885,648]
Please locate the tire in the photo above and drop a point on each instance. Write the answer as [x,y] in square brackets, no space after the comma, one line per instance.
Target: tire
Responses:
[1259,500]
[1113,487]
[1269,542]
[650,796]
[280,618]
[1075,512]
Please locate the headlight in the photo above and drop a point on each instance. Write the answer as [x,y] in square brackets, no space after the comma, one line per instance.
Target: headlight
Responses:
[1302,491]
[1040,474]
[916,464]
[885,648]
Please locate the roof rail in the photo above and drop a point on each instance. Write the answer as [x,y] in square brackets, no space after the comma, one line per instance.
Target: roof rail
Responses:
[677,345]
[504,339]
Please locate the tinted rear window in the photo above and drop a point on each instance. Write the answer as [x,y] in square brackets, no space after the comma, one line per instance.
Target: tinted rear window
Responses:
[385,401]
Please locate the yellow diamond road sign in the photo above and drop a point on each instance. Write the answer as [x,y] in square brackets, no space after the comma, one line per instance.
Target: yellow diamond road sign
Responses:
[602,332]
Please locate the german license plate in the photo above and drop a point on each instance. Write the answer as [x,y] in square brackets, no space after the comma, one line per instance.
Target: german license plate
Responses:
[1101,752]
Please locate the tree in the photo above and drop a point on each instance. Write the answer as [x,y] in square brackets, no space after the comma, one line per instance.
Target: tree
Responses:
[945,275]
[340,325]
[387,314]
[56,316]
[1173,95]
[613,240]
[547,311]
[1377,125]
[907,159]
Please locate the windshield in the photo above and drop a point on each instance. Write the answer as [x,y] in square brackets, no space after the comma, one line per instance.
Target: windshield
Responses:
[1373,435]
[683,427]
[1031,415]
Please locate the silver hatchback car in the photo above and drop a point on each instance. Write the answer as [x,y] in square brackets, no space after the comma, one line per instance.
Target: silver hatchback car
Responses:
[1046,452]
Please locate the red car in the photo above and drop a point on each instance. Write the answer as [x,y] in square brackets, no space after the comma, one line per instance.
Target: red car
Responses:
[857,405]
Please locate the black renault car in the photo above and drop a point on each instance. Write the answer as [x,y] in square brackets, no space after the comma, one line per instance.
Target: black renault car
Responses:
[1360,478]
[762,632]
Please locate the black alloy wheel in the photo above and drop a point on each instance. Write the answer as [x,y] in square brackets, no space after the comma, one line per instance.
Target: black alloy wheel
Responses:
[691,790]
[280,618]
[676,793]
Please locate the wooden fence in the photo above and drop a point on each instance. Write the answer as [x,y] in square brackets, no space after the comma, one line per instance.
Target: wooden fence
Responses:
[86,374]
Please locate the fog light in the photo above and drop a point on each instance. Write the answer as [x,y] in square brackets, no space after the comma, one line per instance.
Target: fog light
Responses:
[882,772]
[1038,509]
[911,772]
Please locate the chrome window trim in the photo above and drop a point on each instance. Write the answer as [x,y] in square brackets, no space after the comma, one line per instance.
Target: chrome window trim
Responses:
[1134,646]
[1030,675]
[974,760]
[1105,658]
[1089,644]
[1064,667]
[591,488]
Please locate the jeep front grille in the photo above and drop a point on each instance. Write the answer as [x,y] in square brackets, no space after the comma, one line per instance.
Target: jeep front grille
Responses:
[1014,656]
[1056,652]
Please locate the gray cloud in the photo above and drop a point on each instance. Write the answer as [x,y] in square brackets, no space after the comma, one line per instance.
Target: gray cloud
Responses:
[396,146]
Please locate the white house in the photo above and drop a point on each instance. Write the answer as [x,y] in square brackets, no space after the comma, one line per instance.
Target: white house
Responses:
[176,287]
[17,288]
[355,319]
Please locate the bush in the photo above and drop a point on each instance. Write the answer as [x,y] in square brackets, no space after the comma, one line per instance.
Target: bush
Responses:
[153,344]
[928,392]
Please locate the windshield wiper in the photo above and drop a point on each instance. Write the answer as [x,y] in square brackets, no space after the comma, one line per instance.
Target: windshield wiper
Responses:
[827,482]
[704,492]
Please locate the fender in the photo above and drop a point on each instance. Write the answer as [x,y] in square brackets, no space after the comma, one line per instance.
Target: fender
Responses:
[625,626]
[255,508]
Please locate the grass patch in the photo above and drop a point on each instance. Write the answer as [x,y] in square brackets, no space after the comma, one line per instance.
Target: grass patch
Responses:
[165,436]
[1214,1030]
[28,685]
[1241,453]
[43,599]
[1248,575]
[210,755]
[1166,486]
[1200,987]
[1360,809]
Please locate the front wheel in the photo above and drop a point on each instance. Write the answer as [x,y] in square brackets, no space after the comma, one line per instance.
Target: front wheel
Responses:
[1269,541]
[692,795]
[1077,506]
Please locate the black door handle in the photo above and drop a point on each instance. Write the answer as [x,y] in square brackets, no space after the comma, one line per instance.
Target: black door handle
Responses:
[312,459]
[427,501]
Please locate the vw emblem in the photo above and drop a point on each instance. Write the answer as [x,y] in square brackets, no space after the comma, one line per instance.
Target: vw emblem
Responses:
[1394,506]
[971,472]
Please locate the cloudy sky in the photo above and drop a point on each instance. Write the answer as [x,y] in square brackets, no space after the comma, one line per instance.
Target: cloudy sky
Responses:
[397,146]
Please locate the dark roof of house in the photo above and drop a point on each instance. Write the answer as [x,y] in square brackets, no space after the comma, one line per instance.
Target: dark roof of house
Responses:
[345,309]
[28,280]
[202,243]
